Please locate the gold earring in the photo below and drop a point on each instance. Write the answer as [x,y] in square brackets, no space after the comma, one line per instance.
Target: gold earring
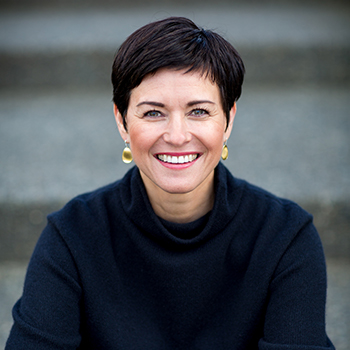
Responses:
[224,153]
[126,155]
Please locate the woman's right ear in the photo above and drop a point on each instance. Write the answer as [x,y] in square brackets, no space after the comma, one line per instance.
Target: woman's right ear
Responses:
[120,123]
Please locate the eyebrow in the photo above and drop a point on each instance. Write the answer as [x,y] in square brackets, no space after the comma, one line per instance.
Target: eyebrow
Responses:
[158,104]
[151,103]
[192,103]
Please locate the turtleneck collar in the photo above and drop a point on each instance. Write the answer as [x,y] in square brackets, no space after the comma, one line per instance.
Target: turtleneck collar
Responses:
[137,206]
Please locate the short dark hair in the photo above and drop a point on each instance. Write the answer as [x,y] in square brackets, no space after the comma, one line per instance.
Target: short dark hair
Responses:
[176,43]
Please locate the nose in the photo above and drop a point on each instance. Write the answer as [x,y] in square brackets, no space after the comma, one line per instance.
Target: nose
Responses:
[177,132]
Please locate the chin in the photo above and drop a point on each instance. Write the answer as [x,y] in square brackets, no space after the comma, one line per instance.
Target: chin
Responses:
[178,189]
[172,185]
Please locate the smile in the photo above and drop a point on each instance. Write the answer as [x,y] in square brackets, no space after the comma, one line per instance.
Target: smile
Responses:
[177,160]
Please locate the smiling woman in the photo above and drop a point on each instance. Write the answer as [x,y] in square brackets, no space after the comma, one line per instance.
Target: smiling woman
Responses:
[178,254]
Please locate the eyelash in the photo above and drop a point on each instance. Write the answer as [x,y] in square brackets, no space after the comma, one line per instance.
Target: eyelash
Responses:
[200,109]
[147,114]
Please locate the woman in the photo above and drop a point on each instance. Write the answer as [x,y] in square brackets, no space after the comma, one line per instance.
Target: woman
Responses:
[178,254]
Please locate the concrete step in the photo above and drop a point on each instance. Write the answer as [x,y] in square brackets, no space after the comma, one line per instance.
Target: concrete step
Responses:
[337,312]
[137,4]
[57,144]
[284,44]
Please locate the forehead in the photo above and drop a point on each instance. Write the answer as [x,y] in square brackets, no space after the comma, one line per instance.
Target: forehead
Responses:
[170,84]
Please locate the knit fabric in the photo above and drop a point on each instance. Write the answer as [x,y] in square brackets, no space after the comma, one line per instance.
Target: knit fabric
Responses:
[107,273]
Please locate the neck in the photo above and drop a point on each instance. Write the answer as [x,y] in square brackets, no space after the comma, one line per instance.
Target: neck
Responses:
[181,207]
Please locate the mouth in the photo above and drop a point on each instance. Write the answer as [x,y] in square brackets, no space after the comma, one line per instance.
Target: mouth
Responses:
[188,158]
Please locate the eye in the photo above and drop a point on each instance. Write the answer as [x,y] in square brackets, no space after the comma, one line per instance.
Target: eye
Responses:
[153,114]
[199,112]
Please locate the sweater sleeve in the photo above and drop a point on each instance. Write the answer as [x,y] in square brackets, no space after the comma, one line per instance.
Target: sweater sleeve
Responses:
[47,316]
[295,315]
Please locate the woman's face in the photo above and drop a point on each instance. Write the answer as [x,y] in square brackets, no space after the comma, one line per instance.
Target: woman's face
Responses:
[176,128]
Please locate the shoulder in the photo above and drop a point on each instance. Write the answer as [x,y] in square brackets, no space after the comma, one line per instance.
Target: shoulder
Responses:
[274,233]
[90,212]
[274,210]
[285,232]
[264,218]
[256,202]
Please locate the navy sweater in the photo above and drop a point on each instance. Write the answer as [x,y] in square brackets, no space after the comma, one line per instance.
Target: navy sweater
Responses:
[107,273]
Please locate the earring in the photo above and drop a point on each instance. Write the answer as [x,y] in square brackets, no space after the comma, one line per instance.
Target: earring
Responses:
[126,155]
[224,153]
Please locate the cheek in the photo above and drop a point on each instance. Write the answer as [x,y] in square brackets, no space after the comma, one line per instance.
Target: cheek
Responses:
[213,136]
[141,138]
[216,143]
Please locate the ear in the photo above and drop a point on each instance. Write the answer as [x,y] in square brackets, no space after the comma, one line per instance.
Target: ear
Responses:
[119,120]
[230,123]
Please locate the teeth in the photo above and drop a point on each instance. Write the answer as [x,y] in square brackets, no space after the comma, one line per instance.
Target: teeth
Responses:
[176,160]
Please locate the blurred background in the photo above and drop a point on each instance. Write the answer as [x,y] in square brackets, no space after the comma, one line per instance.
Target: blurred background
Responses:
[58,137]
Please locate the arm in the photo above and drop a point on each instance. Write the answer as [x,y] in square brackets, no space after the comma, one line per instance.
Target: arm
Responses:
[47,316]
[295,316]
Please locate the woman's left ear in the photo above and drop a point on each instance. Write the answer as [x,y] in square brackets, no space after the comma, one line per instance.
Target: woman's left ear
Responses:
[231,120]
[120,123]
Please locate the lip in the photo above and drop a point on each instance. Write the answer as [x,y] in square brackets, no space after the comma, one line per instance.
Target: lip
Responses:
[177,166]
[177,154]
